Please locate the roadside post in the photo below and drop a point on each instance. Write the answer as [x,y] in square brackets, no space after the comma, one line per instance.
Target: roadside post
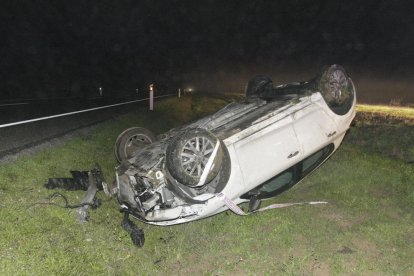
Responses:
[179,92]
[151,97]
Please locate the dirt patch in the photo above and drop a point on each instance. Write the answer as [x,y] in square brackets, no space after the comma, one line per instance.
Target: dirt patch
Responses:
[395,215]
[365,247]
[268,227]
[379,192]
[322,269]
[338,218]
[343,220]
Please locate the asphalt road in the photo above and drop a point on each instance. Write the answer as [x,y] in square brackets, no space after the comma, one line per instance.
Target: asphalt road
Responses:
[23,124]
[31,109]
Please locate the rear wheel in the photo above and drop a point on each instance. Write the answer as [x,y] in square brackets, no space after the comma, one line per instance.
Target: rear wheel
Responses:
[257,86]
[337,89]
[131,140]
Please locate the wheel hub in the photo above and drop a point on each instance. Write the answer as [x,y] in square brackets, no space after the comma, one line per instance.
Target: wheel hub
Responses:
[195,155]
[337,82]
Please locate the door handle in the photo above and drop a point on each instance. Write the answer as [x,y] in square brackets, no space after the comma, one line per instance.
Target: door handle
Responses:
[293,154]
[332,134]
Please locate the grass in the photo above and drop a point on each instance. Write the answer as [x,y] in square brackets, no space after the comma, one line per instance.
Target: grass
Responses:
[384,110]
[384,129]
[367,227]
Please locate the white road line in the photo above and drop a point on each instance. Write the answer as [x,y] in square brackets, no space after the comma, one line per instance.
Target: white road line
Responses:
[12,104]
[76,112]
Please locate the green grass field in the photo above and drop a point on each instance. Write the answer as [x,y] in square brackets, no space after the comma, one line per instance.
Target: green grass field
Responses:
[366,229]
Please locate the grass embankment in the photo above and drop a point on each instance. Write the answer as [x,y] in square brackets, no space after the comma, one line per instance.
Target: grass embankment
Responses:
[404,113]
[386,130]
[367,227]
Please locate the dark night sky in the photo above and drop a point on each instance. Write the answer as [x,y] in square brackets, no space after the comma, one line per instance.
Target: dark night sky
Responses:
[67,48]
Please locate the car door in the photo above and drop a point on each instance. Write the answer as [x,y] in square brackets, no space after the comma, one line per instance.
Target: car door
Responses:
[290,176]
[314,128]
[271,148]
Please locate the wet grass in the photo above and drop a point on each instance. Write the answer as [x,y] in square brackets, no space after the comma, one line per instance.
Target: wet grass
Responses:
[367,227]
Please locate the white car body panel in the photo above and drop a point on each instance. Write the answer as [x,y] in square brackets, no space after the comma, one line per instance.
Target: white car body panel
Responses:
[257,163]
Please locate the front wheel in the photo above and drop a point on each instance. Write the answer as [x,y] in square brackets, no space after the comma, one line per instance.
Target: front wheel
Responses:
[195,157]
[131,140]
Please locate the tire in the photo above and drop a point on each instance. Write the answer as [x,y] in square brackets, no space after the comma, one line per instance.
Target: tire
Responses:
[188,154]
[258,86]
[130,141]
[337,89]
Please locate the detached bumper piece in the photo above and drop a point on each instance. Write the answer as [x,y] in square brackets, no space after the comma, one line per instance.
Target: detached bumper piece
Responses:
[89,181]
[92,181]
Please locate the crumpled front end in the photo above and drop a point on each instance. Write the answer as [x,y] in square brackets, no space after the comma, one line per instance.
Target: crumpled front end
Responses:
[146,189]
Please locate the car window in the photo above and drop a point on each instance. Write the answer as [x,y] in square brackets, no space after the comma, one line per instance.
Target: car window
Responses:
[311,162]
[273,186]
[277,182]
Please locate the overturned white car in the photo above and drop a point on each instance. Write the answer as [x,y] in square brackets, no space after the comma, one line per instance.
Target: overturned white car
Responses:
[245,152]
